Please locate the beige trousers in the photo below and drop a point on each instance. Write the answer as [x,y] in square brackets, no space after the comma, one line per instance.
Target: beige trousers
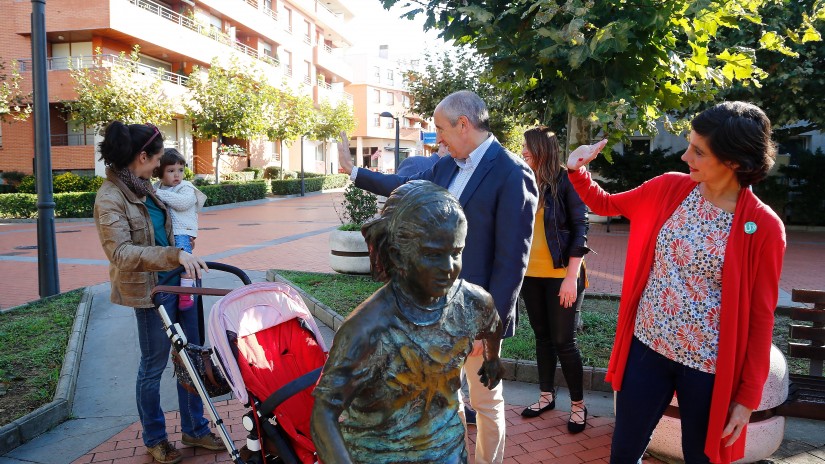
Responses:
[489,407]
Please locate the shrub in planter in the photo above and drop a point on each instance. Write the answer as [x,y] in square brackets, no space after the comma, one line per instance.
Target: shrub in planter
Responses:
[349,252]
[258,172]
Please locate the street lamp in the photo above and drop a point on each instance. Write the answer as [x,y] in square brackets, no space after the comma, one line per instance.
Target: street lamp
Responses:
[387,114]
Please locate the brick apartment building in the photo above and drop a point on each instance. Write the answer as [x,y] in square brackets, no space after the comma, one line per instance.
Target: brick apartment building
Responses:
[298,42]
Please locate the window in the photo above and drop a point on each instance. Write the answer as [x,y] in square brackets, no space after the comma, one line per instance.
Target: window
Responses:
[288,20]
[406,100]
[376,120]
[319,152]
[390,98]
[390,123]
[390,77]
[307,72]
[376,96]
[376,71]
[307,32]
[266,49]
[288,63]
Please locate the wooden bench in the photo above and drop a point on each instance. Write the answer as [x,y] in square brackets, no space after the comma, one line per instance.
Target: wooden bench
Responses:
[806,395]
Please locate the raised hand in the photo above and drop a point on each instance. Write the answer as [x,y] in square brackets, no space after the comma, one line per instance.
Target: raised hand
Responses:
[344,157]
[584,154]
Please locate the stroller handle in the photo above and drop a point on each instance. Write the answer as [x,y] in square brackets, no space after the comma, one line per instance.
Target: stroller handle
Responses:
[212,265]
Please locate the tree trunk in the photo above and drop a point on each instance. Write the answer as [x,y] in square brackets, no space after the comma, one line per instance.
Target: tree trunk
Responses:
[218,159]
[578,132]
[281,154]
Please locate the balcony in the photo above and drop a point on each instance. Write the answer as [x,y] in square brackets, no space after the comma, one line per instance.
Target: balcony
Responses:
[332,60]
[248,13]
[104,61]
[200,46]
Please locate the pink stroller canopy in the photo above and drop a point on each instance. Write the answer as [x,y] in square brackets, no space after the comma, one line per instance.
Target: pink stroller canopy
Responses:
[250,309]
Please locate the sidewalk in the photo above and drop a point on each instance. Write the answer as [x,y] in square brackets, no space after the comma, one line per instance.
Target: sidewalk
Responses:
[292,234]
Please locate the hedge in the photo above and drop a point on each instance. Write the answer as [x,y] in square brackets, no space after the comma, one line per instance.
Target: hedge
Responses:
[81,204]
[67,205]
[313,184]
[233,192]
[64,183]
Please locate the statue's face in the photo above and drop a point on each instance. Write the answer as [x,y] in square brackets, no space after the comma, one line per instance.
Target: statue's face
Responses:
[435,262]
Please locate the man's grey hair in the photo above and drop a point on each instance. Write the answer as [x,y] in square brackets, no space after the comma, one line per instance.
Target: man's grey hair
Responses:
[465,103]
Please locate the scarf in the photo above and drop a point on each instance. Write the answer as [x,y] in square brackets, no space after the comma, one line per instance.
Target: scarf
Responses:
[140,187]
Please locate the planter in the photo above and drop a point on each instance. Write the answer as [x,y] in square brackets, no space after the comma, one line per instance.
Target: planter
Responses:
[348,252]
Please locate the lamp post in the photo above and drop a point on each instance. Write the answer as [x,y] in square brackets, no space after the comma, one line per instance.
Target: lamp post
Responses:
[387,114]
[47,270]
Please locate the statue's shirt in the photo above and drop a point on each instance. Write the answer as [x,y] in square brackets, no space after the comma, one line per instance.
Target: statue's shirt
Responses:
[395,378]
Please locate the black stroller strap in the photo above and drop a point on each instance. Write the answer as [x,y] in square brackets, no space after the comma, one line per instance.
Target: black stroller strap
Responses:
[288,390]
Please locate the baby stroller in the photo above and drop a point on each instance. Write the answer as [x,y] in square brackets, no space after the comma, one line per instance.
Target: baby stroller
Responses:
[269,350]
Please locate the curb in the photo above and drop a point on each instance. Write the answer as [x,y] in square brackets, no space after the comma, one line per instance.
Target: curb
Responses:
[519,370]
[49,415]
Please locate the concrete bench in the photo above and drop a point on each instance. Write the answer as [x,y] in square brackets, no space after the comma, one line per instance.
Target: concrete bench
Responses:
[806,395]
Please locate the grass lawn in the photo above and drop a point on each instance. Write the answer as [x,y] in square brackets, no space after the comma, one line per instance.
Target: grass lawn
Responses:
[33,340]
[342,293]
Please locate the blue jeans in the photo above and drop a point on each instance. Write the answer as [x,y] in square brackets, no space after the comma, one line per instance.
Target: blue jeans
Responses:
[155,348]
[184,242]
[647,388]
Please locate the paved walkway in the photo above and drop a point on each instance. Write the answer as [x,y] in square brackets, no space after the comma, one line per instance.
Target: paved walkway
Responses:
[292,234]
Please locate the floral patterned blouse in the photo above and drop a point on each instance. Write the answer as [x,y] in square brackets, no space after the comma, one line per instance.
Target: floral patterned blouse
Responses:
[678,314]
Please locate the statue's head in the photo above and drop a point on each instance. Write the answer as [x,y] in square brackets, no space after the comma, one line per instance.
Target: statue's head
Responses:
[418,239]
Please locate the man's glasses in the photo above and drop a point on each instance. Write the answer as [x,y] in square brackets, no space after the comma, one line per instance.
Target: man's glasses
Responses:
[154,135]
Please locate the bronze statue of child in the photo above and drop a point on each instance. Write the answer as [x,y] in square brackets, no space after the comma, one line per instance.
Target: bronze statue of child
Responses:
[393,370]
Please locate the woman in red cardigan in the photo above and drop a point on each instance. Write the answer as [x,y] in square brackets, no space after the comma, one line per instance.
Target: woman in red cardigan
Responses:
[700,286]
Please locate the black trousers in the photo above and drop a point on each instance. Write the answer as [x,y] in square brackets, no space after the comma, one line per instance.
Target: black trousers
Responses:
[555,329]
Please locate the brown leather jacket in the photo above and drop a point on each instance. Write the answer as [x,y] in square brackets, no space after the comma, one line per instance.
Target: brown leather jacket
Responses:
[128,240]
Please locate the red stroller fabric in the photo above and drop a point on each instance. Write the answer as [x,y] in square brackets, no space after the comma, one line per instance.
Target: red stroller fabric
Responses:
[273,357]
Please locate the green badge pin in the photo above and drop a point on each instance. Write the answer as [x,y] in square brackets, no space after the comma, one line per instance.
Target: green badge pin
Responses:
[750,227]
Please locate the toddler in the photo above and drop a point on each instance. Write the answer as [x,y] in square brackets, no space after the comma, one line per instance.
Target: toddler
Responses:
[183,200]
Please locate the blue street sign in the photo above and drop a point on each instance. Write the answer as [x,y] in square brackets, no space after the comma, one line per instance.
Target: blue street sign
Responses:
[428,138]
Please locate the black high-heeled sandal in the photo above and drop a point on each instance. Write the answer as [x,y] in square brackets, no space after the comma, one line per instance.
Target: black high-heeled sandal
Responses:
[575,426]
[530,411]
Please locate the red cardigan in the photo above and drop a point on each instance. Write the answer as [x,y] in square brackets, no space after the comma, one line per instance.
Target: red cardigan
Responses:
[750,289]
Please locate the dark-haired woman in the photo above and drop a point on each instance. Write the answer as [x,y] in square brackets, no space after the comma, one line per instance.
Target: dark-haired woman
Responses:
[553,286]
[701,283]
[136,234]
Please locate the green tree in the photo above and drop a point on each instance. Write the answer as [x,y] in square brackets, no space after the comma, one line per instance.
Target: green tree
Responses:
[792,93]
[330,121]
[14,103]
[288,116]
[118,92]
[461,69]
[618,65]
[227,102]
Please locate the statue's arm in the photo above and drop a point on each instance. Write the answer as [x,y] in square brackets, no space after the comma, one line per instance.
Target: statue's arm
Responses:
[491,370]
[326,435]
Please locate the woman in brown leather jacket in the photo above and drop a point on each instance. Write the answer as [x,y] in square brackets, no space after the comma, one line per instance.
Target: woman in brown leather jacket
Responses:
[136,234]
[554,283]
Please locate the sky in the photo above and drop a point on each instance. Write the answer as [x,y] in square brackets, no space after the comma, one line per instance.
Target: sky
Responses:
[373,26]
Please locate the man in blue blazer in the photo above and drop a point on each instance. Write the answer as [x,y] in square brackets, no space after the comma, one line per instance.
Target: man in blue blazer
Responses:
[498,193]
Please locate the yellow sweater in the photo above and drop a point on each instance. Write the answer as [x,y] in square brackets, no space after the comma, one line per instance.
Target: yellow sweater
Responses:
[541,262]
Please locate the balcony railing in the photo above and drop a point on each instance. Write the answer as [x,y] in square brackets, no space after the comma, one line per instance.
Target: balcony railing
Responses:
[76,139]
[104,61]
[253,3]
[288,70]
[307,80]
[208,31]
[271,13]
[327,49]
[189,23]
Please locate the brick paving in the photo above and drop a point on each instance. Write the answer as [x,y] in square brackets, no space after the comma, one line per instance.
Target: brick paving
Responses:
[293,234]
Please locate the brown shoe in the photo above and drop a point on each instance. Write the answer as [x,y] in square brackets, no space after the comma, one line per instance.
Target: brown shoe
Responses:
[165,453]
[209,441]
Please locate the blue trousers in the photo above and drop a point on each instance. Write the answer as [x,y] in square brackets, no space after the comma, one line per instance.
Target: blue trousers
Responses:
[650,380]
[155,348]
